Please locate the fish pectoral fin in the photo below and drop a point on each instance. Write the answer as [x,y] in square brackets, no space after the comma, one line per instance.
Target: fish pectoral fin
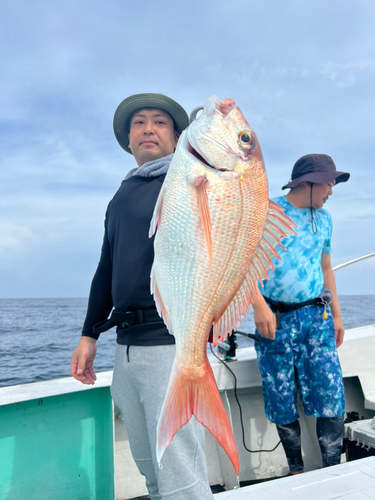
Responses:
[199,182]
[187,396]
[155,221]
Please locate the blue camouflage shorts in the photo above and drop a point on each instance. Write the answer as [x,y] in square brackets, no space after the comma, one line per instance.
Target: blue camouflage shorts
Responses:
[303,358]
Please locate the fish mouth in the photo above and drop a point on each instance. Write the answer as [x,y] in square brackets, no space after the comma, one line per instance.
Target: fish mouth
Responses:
[199,157]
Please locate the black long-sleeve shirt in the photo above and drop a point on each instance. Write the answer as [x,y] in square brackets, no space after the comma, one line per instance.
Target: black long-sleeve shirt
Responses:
[122,279]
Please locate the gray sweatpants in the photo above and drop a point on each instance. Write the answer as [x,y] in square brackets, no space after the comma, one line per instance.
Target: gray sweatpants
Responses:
[138,389]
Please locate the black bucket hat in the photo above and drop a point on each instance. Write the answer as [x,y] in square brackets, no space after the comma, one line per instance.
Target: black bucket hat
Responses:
[315,168]
[133,103]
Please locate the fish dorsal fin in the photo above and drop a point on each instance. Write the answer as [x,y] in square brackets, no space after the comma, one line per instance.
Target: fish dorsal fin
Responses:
[155,221]
[199,182]
[236,310]
[277,226]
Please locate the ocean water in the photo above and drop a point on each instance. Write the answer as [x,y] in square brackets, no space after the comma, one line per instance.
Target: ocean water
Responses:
[38,336]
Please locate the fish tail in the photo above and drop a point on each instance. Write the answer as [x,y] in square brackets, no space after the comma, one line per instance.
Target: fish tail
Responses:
[198,396]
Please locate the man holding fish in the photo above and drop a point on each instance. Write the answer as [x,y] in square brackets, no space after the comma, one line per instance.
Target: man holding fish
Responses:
[300,331]
[148,127]
[216,233]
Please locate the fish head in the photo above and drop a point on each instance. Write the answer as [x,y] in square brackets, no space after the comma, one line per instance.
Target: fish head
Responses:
[222,138]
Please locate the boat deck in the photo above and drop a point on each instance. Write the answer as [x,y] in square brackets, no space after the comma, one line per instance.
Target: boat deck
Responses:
[62,438]
[349,481]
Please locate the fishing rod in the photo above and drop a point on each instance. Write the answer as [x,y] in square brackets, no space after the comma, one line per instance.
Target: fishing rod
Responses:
[353,261]
[230,346]
[254,336]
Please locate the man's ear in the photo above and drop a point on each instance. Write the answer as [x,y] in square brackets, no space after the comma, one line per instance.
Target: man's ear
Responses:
[129,142]
[176,137]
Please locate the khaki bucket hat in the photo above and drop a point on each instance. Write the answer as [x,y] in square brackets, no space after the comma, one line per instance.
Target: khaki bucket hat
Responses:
[133,103]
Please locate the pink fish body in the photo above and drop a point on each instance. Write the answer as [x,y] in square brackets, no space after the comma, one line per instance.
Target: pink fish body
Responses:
[216,235]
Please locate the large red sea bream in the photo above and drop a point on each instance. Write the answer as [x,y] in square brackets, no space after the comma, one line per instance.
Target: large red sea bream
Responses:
[216,232]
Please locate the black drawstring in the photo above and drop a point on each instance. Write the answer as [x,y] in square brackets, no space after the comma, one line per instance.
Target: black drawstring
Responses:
[313,222]
[127,352]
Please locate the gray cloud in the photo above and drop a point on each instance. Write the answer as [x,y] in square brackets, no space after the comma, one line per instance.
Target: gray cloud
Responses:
[302,74]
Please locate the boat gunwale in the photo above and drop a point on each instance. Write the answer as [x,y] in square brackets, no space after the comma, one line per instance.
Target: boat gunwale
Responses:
[66,385]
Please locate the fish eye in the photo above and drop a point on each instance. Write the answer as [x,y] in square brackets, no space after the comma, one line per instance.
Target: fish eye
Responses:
[245,139]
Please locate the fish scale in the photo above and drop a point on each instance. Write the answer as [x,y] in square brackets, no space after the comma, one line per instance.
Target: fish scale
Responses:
[216,233]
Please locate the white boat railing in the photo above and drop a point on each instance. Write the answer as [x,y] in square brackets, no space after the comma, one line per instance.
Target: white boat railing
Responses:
[353,261]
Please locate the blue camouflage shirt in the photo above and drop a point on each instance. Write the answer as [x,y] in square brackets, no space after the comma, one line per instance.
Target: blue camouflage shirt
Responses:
[298,276]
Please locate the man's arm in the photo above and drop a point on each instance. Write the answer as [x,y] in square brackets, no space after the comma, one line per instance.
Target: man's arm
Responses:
[330,282]
[264,318]
[99,307]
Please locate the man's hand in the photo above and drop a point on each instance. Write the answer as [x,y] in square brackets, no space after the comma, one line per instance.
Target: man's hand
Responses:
[82,361]
[339,331]
[330,282]
[264,318]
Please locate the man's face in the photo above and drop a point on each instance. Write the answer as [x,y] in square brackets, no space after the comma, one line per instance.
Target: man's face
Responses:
[321,193]
[151,135]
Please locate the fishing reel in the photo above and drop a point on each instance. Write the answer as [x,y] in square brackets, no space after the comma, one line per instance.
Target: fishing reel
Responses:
[227,349]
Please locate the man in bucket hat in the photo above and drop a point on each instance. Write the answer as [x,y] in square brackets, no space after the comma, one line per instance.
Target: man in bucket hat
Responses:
[299,319]
[148,127]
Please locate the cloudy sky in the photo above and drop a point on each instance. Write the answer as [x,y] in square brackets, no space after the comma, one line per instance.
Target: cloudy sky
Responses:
[302,72]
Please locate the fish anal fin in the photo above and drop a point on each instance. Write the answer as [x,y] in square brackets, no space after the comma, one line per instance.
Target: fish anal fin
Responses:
[199,182]
[198,396]
[155,221]
[159,302]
